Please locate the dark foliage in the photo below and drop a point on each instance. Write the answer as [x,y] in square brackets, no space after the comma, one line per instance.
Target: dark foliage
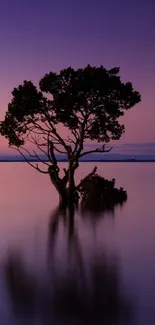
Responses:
[100,194]
[87,102]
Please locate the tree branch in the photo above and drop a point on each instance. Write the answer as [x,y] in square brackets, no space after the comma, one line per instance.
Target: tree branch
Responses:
[86,178]
[58,150]
[35,154]
[97,150]
[66,176]
[42,150]
[75,133]
[42,161]
[35,167]
[54,131]
[80,139]
[51,152]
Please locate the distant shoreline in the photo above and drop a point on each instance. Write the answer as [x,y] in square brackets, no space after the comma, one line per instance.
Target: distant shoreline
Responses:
[84,161]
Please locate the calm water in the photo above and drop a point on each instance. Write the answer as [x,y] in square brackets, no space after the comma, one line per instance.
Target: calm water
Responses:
[43,259]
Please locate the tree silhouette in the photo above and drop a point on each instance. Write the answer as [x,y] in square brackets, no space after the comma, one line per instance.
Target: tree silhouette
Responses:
[87,102]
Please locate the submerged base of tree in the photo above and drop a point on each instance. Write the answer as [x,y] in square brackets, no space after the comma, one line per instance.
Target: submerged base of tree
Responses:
[101,194]
[95,193]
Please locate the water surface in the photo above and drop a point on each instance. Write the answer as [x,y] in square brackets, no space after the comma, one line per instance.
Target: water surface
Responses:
[36,236]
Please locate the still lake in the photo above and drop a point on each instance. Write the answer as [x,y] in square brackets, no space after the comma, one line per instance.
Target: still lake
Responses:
[35,239]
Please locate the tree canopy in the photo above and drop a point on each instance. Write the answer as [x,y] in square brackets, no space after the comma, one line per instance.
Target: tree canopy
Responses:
[86,102]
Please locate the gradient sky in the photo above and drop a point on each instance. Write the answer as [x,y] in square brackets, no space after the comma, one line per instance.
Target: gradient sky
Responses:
[39,36]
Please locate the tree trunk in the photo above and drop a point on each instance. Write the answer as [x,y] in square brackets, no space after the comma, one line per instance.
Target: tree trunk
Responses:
[71,186]
[60,186]
[67,195]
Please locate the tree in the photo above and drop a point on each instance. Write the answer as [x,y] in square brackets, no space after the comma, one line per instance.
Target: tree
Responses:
[87,102]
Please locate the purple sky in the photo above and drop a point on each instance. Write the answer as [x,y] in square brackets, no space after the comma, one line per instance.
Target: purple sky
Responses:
[39,36]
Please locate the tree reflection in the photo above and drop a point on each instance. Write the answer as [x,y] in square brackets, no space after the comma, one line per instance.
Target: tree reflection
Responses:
[89,292]
[86,292]
[94,210]
[20,285]
[95,298]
